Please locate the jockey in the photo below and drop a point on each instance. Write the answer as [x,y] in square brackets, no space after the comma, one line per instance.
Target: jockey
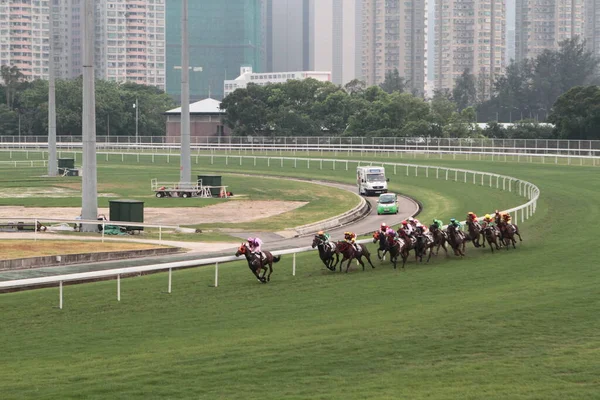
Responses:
[471,216]
[487,220]
[457,226]
[407,228]
[438,223]
[323,236]
[350,237]
[384,227]
[392,234]
[413,222]
[420,228]
[506,218]
[255,245]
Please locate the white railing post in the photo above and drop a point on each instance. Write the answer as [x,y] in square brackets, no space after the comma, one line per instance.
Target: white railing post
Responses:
[160,233]
[118,287]
[35,229]
[294,265]
[60,295]
[170,280]
[103,229]
[217,274]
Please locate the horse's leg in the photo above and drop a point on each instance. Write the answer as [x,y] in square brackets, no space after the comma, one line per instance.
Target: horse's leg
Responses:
[360,261]
[270,271]
[349,262]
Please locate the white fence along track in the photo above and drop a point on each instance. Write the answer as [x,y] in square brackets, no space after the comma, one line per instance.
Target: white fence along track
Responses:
[526,189]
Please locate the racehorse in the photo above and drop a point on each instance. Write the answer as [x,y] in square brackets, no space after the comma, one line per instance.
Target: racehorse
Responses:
[456,241]
[491,234]
[326,252]
[383,245]
[475,233]
[439,238]
[256,264]
[423,243]
[350,253]
[508,232]
[397,248]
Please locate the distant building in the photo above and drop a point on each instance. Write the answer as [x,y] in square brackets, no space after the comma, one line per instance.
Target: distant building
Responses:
[317,35]
[247,76]
[206,119]
[223,34]
[469,35]
[129,39]
[592,26]
[394,36]
[543,25]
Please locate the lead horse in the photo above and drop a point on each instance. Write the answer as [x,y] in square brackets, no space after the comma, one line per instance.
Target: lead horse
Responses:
[475,233]
[256,264]
[349,253]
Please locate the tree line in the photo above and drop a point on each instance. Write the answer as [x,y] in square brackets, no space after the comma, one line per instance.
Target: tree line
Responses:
[25,107]
[530,92]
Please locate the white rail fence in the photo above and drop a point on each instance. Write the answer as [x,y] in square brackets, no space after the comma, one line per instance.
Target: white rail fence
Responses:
[526,189]
[6,222]
[497,149]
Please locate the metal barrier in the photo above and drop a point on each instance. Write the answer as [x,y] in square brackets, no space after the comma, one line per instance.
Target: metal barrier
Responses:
[525,189]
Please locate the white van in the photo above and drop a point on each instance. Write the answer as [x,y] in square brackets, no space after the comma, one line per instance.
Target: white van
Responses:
[371,180]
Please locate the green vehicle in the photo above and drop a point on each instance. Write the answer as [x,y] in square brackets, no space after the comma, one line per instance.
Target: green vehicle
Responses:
[387,204]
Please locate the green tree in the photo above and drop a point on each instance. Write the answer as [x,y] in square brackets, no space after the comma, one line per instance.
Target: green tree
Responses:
[576,114]
[355,87]
[393,82]
[246,109]
[11,76]
[465,92]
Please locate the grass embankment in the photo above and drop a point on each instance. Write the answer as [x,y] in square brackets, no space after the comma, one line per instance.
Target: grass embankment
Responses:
[517,324]
[11,249]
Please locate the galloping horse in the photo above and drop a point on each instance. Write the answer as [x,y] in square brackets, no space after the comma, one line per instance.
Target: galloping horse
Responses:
[508,232]
[383,244]
[397,248]
[350,253]
[439,238]
[255,264]
[491,234]
[326,252]
[456,241]
[475,233]
[424,242]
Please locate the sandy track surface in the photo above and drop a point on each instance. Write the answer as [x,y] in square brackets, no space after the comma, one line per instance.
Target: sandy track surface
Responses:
[228,212]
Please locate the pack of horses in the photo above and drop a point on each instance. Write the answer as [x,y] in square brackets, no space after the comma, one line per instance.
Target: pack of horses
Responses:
[429,243]
[424,244]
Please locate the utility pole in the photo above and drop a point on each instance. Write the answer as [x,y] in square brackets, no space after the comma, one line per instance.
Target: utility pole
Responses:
[89,193]
[136,106]
[52,161]
[186,161]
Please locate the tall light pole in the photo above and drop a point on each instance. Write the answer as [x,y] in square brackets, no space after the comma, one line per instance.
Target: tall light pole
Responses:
[52,161]
[137,107]
[89,192]
[185,174]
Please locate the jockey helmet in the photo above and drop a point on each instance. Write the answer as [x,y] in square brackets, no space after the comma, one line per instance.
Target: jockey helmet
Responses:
[251,239]
[390,231]
[383,225]
[320,233]
[471,213]
[488,216]
[410,219]
[452,220]
[404,223]
[419,225]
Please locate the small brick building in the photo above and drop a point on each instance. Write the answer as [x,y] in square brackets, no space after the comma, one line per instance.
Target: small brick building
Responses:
[205,120]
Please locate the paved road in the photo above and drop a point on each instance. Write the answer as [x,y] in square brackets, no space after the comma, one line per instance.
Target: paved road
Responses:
[371,222]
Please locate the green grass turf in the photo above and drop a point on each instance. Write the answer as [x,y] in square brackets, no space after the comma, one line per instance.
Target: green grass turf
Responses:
[519,324]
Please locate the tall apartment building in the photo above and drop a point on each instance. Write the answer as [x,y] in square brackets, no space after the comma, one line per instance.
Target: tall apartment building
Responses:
[24,36]
[592,25]
[335,40]
[395,37]
[317,35]
[223,36]
[469,35]
[543,24]
[130,41]
[288,35]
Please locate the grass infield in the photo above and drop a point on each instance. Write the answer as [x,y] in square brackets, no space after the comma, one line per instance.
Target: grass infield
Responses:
[517,324]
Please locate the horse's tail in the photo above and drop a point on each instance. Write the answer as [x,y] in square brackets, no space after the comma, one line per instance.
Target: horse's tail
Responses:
[276,258]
